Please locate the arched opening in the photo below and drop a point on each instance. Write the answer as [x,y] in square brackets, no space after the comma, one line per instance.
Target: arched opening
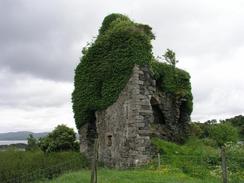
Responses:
[157,113]
[183,112]
[184,118]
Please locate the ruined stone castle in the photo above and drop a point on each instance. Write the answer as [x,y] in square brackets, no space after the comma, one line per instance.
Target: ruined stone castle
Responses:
[124,97]
[141,112]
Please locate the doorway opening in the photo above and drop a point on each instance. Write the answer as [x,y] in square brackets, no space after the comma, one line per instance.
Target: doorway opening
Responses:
[157,112]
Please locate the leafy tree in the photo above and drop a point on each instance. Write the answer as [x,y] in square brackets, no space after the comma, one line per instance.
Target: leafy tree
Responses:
[32,143]
[222,134]
[169,57]
[201,130]
[62,138]
[238,122]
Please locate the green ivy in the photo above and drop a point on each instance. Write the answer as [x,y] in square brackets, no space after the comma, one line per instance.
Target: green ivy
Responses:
[109,19]
[174,81]
[107,64]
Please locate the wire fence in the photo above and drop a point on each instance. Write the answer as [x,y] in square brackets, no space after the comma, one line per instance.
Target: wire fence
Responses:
[202,166]
[195,166]
[48,173]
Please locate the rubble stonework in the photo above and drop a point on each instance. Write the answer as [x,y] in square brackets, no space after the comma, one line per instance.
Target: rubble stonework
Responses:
[125,129]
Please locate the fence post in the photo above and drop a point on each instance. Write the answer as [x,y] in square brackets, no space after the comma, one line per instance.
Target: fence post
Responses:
[159,163]
[94,163]
[223,165]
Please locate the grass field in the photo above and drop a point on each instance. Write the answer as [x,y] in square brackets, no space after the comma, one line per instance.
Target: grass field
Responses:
[194,162]
[131,176]
[17,165]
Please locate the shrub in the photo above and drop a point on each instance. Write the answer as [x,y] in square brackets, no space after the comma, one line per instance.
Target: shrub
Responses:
[62,138]
[32,143]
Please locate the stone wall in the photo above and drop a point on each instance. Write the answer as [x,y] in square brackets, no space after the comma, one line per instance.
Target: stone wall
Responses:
[125,128]
[175,121]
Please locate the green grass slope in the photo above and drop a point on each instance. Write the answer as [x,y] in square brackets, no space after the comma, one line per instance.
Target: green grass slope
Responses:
[16,164]
[132,176]
[196,161]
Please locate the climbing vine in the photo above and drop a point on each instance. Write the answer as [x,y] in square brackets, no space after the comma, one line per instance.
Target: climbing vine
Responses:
[107,63]
[173,81]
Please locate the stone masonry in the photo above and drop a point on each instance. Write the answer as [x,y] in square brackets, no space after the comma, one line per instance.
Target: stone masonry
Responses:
[125,129]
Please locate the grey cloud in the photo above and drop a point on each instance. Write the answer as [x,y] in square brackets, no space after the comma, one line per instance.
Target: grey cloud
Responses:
[42,39]
[41,42]
[195,27]
[45,38]
[26,92]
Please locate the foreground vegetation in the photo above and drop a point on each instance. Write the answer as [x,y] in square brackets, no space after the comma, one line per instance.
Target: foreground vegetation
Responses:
[16,164]
[200,158]
[197,161]
[133,176]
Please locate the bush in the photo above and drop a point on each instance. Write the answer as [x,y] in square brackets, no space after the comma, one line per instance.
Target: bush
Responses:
[32,143]
[223,133]
[62,138]
[199,159]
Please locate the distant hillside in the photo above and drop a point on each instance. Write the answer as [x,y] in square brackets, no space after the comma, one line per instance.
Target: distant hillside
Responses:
[22,135]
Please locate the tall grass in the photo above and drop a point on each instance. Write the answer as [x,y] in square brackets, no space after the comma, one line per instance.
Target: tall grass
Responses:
[133,176]
[196,161]
[14,164]
[200,158]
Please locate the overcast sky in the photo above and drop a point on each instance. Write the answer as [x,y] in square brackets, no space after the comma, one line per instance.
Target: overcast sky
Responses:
[41,42]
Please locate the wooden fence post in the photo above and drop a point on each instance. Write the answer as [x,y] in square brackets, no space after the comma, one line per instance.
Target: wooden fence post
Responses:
[159,163]
[223,165]
[94,163]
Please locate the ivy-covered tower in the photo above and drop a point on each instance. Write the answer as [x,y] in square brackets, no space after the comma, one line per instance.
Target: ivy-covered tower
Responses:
[124,97]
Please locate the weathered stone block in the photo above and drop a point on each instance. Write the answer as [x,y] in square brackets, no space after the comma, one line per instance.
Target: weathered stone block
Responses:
[140,124]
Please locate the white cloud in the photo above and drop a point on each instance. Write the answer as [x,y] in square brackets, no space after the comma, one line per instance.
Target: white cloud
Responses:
[218,87]
[36,120]
[28,103]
